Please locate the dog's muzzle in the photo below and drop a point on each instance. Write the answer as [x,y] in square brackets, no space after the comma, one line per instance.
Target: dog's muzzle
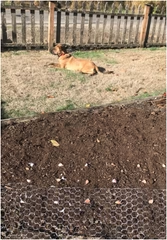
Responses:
[52,52]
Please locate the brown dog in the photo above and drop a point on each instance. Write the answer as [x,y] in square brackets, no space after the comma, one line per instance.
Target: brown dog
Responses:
[69,62]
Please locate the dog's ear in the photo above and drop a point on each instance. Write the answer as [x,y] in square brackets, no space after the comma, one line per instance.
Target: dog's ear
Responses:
[64,48]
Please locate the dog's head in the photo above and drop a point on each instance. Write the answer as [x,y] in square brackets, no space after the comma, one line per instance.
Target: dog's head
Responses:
[59,50]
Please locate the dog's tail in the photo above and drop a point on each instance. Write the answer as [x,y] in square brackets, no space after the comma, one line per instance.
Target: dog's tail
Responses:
[108,72]
[103,72]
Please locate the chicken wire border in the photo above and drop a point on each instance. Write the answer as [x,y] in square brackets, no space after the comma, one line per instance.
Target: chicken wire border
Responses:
[56,213]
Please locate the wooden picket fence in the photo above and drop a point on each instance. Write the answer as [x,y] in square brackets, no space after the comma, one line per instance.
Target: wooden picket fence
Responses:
[32,26]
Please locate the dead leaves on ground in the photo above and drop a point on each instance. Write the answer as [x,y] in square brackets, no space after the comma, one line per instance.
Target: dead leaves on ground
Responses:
[55,143]
[50,96]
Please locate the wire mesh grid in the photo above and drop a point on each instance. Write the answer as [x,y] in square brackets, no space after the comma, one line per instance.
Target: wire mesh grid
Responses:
[56,213]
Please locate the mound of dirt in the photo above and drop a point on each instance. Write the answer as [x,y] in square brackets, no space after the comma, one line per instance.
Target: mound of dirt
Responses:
[114,146]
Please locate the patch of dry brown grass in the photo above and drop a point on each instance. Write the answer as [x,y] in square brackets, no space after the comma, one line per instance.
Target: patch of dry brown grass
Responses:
[28,87]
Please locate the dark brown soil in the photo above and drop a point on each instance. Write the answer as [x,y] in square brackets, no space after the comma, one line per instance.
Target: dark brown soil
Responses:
[117,146]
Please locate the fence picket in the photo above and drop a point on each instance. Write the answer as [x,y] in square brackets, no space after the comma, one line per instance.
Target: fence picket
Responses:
[97,23]
[154,18]
[111,23]
[137,24]
[3,21]
[23,21]
[90,23]
[32,12]
[66,22]
[131,25]
[118,23]
[125,25]
[159,29]
[14,31]
[74,23]
[82,22]
[164,32]
[41,17]
[104,22]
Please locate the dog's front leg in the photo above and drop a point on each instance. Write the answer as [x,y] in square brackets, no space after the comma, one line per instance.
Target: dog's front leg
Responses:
[55,65]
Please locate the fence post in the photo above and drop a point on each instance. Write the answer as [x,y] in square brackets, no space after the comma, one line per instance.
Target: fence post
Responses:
[51,25]
[145,25]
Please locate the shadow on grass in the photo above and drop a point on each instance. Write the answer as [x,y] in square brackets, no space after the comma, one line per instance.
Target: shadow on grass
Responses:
[101,69]
[4,114]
